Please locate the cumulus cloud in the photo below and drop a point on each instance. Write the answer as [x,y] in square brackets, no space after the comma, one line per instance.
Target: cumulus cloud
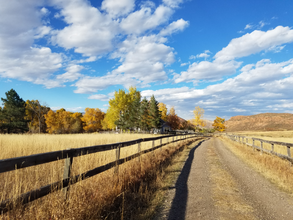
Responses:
[101,97]
[225,63]
[258,88]
[172,3]
[89,32]
[174,27]
[118,8]
[255,42]
[206,70]
[145,19]
[72,73]
[143,60]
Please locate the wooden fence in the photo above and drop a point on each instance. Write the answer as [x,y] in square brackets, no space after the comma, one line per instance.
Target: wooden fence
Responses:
[68,155]
[244,140]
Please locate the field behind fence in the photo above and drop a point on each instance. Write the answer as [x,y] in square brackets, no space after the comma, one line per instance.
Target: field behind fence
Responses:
[16,182]
[270,145]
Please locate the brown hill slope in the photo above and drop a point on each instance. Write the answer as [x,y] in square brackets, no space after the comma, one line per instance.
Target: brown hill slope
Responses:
[260,122]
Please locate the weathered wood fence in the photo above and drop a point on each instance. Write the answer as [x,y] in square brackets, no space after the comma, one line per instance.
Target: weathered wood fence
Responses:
[244,140]
[68,155]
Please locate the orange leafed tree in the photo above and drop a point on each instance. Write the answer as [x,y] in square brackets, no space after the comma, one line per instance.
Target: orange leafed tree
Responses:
[173,119]
[63,122]
[219,124]
[93,119]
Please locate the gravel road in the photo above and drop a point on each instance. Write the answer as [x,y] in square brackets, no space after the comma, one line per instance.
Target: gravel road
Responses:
[216,184]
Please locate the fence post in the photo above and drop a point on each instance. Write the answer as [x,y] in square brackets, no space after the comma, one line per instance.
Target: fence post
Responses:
[138,150]
[117,158]
[261,147]
[161,144]
[288,151]
[272,147]
[67,173]
[253,144]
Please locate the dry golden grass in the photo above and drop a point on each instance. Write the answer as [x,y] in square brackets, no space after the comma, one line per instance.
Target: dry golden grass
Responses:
[89,199]
[278,136]
[272,167]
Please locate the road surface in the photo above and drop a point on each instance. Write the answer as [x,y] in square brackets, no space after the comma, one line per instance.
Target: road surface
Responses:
[216,184]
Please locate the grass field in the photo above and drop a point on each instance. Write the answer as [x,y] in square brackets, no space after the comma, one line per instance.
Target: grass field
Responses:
[87,199]
[278,136]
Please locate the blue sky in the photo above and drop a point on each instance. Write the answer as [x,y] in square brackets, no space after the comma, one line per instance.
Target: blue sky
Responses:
[229,57]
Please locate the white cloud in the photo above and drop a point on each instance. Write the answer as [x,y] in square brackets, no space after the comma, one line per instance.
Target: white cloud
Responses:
[248,26]
[90,59]
[224,61]
[118,8]
[45,11]
[258,88]
[89,32]
[172,3]
[174,27]
[101,97]
[255,42]
[206,70]
[42,31]
[276,49]
[145,19]
[72,73]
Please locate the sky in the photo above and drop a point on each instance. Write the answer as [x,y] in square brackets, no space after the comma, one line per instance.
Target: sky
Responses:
[229,57]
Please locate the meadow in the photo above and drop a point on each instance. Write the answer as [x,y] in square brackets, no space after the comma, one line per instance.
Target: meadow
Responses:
[278,136]
[89,199]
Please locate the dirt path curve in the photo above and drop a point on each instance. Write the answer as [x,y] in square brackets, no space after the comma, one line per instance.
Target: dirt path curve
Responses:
[215,184]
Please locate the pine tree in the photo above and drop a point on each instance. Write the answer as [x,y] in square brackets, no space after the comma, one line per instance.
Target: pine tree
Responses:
[12,116]
[154,113]
[144,122]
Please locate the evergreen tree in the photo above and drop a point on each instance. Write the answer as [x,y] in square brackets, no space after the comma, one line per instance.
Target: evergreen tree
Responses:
[154,113]
[144,122]
[12,116]
[134,116]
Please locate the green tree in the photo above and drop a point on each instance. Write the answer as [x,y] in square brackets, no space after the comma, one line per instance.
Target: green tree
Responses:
[154,113]
[12,116]
[144,122]
[119,111]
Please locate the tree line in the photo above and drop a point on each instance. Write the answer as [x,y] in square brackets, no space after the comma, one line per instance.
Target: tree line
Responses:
[127,111]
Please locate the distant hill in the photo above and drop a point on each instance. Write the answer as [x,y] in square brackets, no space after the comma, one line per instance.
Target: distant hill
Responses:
[260,122]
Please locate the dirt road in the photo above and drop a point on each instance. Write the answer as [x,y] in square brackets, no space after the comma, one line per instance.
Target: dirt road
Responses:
[215,184]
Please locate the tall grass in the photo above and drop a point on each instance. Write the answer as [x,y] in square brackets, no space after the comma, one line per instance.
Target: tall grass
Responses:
[104,196]
[278,136]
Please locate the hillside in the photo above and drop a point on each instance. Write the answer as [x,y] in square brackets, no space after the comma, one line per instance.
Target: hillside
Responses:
[260,122]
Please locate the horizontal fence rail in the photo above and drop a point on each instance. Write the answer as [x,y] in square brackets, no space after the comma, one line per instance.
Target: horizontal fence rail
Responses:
[244,140]
[68,155]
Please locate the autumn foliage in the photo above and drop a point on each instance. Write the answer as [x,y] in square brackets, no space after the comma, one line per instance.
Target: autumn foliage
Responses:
[219,124]
[92,119]
[63,122]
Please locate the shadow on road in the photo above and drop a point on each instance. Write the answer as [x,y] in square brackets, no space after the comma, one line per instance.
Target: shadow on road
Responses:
[178,208]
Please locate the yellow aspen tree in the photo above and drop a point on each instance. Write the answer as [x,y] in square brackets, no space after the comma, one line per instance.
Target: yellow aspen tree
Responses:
[163,109]
[93,119]
[118,105]
[219,124]
[198,117]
